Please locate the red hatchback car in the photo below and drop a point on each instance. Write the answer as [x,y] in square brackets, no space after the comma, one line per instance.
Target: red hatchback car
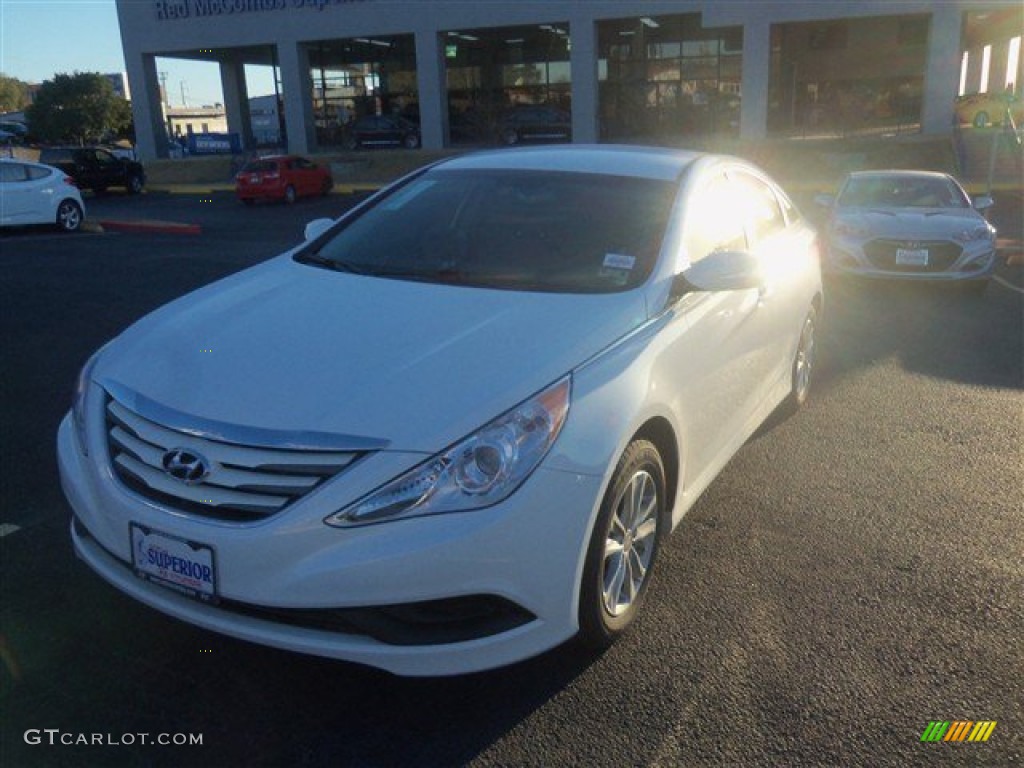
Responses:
[281,177]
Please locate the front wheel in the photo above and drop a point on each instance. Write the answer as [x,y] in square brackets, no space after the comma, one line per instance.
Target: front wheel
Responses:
[981,119]
[623,546]
[69,216]
[411,141]
[289,194]
[135,184]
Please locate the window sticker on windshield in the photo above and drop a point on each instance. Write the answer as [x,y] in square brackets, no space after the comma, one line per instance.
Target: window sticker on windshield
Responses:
[414,190]
[619,261]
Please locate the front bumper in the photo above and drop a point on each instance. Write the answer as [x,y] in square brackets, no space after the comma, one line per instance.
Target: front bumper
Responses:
[527,551]
[845,259]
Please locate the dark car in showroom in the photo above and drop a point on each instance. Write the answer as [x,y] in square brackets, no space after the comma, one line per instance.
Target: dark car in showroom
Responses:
[538,122]
[96,168]
[383,131]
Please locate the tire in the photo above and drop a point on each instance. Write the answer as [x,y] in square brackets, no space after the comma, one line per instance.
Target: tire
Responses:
[289,194]
[981,119]
[351,143]
[135,184]
[411,141]
[328,185]
[509,137]
[69,216]
[248,201]
[803,364]
[623,546]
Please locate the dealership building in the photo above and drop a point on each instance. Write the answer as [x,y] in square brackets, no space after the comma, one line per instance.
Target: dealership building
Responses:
[614,70]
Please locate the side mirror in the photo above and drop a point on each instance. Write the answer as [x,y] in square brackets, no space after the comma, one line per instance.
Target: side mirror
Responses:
[825,201]
[720,271]
[983,203]
[317,227]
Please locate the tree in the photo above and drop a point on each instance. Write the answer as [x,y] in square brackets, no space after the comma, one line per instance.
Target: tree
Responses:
[13,94]
[82,107]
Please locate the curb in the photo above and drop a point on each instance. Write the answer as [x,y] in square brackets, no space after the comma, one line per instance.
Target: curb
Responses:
[155,227]
[206,189]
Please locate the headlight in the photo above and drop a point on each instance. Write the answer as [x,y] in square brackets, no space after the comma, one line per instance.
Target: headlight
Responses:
[980,232]
[848,231]
[79,397]
[476,472]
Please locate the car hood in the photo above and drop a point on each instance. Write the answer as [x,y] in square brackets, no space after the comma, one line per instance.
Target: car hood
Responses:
[294,348]
[911,223]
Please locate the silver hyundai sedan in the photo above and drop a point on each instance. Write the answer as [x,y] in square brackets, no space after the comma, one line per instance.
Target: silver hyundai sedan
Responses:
[916,225]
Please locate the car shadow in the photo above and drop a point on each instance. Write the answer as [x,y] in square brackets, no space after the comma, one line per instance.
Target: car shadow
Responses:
[943,331]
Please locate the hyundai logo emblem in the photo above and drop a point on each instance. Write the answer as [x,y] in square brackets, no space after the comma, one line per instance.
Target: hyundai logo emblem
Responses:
[186,465]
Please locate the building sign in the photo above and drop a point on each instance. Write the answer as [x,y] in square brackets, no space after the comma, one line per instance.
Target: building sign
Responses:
[167,10]
[214,143]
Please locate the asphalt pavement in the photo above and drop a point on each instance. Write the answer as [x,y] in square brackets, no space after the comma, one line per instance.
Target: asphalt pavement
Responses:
[854,574]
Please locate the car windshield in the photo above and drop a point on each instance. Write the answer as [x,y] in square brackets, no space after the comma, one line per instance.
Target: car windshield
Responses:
[901,192]
[520,230]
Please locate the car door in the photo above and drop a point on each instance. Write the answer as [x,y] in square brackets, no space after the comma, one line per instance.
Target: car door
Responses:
[86,172]
[15,196]
[108,168]
[711,350]
[786,248]
[305,175]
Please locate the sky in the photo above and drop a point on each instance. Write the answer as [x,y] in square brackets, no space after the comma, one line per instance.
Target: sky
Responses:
[41,38]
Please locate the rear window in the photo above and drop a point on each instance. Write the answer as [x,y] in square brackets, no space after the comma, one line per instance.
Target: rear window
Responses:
[260,166]
[519,230]
[55,156]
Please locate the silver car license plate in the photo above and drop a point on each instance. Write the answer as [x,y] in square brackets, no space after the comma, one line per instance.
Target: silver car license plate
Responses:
[912,257]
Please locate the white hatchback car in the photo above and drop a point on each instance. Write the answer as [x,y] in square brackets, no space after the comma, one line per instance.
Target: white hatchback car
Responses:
[32,193]
[448,431]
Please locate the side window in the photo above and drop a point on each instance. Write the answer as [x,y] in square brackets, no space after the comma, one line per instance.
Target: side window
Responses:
[712,223]
[11,172]
[35,173]
[104,158]
[758,207]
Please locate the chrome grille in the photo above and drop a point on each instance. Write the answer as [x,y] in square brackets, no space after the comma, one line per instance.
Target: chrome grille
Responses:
[243,483]
[942,254]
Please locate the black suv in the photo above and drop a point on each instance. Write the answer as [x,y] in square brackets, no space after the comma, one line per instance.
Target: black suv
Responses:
[96,169]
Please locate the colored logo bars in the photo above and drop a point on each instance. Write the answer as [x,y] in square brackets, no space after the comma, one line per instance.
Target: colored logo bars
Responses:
[958,730]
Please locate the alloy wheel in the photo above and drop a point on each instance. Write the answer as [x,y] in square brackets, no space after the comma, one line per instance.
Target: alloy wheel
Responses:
[629,546]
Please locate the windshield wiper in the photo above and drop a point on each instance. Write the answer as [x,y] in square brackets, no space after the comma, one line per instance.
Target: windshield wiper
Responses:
[315,259]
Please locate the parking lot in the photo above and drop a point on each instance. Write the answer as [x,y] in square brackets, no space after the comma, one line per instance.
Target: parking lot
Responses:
[855,573]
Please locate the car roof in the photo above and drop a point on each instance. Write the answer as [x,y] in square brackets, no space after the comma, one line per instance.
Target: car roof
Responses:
[899,174]
[639,162]
[23,161]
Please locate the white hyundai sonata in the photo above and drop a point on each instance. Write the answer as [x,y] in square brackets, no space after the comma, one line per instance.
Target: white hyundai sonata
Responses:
[450,430]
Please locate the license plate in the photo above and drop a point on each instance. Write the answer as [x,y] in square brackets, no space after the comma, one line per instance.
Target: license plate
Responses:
[916,257]
[185,566]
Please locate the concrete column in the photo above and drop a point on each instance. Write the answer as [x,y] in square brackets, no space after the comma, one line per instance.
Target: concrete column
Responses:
[431,83]
[293,58]
[147,107]
[754,84]
[585,95]
[942,70]
[236,101]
